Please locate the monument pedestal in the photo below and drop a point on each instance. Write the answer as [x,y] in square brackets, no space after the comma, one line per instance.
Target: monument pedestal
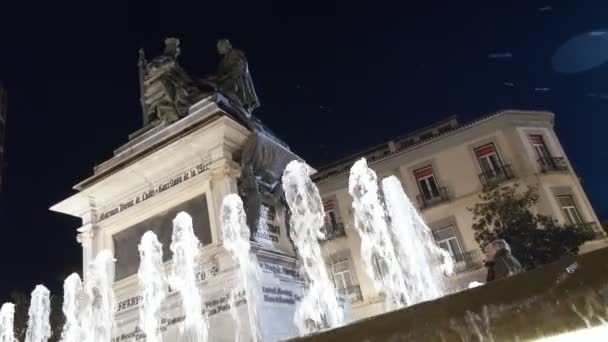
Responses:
[189,165]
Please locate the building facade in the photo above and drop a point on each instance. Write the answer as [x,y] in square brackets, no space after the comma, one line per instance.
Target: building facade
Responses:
[2,132]
[443,169]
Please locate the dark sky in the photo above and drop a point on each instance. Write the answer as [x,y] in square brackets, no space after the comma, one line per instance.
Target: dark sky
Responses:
[333,78]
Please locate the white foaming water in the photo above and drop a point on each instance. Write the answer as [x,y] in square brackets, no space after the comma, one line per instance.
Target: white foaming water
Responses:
[185,247]
[319,307]
[72,289]
[153,285]
[236,236]
[98,313]
[38,327]
[234,313]
[7,319]
[424,264]
[377,249]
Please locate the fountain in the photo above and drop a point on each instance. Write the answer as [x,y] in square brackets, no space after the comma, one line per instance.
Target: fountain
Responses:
[377,248]
[72,290]
[38,327]
[153,286]
[423,263]
[236,237]
[185,247]
[98,316]
[7,319]
[319,307]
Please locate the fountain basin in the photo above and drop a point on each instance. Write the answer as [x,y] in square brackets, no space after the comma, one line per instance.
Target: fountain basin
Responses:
[566,296]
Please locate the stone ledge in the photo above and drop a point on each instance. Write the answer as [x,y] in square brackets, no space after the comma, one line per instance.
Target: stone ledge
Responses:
[528,306]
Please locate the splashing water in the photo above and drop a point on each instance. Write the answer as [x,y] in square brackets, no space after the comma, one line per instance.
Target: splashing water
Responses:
[234,313]
[377,249]
[236,236]
[72,289]
[319,307]
[423,263]
[7,320]
[185,247]
[153,285]
[98,316]
[38,327]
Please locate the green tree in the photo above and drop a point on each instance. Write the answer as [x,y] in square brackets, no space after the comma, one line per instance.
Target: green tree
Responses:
[505,213]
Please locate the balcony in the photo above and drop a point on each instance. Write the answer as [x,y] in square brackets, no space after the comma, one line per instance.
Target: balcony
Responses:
[333,231]
[425,202]
[468,261]
[498,175]
[353,293]
[598,232]
[553,164]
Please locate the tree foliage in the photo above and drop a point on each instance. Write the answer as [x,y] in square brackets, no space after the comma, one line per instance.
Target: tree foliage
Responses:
[505,213]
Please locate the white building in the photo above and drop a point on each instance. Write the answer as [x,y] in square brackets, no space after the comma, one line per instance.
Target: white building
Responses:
[443,169]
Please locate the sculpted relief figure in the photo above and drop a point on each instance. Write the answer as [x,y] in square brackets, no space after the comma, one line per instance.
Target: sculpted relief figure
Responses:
[233,78]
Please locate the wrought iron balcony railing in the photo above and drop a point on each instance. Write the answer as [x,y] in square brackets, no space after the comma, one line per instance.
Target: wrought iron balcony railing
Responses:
[468,261]
[553,164]
[333,231]
[352,292]
[597,231]
[500,174]
[425,201]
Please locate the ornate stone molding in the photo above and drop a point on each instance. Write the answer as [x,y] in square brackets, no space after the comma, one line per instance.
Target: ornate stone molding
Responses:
[227,169]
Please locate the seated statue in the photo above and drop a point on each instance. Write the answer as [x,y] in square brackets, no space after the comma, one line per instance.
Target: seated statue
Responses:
[167,91]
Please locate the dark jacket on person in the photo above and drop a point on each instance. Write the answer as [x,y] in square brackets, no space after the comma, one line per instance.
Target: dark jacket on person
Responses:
[504,265]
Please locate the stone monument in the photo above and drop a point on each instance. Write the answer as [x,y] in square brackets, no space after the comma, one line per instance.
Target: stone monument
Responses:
[199,142]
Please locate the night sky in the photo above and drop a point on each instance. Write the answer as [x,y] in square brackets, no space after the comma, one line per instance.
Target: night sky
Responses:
[332,78]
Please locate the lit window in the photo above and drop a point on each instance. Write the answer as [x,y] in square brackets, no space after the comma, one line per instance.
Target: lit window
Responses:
[541,149]
[446,239]
[569,209]
[489,160]
[426,182]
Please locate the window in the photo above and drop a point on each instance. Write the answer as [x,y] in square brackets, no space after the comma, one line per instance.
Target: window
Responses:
[569,209]
[426,182]
[446,239]
[489,161]
[541,149]
[344,280]
[333,225]
[380,266]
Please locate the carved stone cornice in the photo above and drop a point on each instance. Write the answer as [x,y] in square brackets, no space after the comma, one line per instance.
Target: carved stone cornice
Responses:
[227,169]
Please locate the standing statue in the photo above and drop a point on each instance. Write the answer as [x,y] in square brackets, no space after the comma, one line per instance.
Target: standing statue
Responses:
[233,78]
[166,89]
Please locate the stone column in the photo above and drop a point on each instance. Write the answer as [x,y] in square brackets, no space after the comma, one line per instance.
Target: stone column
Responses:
[87,235]
[223,182]
[85,238]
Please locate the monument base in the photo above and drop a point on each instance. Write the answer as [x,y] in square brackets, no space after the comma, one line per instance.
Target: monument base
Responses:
[218,279]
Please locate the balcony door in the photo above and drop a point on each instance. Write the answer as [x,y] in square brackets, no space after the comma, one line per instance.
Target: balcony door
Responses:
[446,238]
[426,182]
[343,279]
[331,219]
[570,210]
[489,160]
[542,152]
